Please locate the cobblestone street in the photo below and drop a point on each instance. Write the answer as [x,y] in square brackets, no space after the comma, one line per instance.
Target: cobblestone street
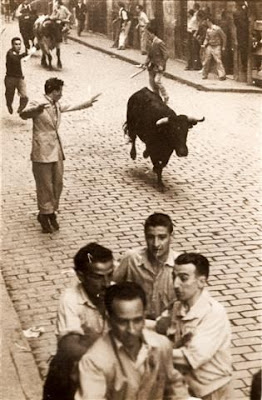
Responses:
[213,195]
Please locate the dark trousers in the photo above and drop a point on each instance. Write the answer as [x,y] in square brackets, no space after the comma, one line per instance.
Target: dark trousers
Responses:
[11,85]
[80,26]
[190,50]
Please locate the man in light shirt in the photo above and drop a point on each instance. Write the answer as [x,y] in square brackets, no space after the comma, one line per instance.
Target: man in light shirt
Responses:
[80,320]
[152,266]
[142,23]
[129,362]
[200,330]
[47,152]
[61,12]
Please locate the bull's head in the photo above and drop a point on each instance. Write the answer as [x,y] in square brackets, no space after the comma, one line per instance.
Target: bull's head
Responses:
[178,126]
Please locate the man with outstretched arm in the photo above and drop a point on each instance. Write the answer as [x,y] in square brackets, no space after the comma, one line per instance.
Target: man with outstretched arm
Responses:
[47,152]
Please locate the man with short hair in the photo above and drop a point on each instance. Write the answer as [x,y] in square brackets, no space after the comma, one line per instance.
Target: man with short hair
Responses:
[214,44]
[200,330]
[80,319]
[47,153]
[157,57]
[152,266]
[80,12]
[142,23]
[129,362]
[14,79]
[125,26]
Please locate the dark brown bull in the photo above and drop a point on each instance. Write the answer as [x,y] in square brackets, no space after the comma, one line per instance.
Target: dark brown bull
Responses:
[49,35]
[158,127]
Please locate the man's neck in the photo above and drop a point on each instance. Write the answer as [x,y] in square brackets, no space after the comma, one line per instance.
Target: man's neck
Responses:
[134,350]
[191,302]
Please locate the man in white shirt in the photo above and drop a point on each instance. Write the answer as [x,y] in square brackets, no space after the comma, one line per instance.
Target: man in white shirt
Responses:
[200,330]
[142,23]
[129,362]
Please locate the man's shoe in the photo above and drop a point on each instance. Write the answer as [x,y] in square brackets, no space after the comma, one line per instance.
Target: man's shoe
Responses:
[188,69]
[53,221]
[10,109]
[44,222]
[222,78]
[204,77]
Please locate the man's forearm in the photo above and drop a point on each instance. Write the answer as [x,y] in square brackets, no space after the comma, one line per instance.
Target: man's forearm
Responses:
[179,358]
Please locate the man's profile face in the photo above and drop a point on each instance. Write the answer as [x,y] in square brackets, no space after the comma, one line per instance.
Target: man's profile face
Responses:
[97,278]
[158,239]
[16,46]
[127,321]
[187,283]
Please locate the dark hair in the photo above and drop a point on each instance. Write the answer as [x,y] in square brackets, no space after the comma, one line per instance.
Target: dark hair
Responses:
[196,6]
[191,12]
[255,393]
[15,39]
[123,291]
[201,262]
[89,254]
[151,26]
[121,4]
[210,19]
[53,84]
[159,219]
[140,7]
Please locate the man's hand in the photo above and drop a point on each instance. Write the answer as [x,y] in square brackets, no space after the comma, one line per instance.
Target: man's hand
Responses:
[40,108]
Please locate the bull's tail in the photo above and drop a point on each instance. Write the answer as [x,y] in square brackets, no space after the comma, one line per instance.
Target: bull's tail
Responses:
[125,129]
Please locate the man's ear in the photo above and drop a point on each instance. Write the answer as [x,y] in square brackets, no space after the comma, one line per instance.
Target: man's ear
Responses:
[202,280]
[80,275]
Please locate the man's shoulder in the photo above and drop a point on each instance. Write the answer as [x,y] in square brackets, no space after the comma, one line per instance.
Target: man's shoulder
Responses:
[101,352]
[136,253]
[155,339]
[71,294]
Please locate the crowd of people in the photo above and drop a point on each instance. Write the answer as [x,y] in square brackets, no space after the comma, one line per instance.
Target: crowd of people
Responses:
[145,328]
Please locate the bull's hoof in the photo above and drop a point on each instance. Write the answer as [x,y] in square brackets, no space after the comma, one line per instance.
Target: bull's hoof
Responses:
[161,187]
[50,68]
[133,154]
[59,65]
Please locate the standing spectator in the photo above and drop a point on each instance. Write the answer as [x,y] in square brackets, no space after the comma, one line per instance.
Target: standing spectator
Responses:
[200,330]
[6,9]
[152,266]
[47,153]
[125,26]
[142,22]
[80,12]
[80,319]
[129,362]
[194,24]
[214,44]
[61,12]
[156,61]
[190,40]
[227,56]
[14,79]
[241,22]
[200,34]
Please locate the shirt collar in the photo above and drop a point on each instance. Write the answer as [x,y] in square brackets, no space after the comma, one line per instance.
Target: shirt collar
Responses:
[49,99]
[83,297]
[198,309]
[170,261]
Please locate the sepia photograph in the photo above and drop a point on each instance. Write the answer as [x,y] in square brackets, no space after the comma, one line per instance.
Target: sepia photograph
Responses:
[131,231]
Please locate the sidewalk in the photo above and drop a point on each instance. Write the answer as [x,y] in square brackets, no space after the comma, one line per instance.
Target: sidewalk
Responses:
[20,379]
[175,69]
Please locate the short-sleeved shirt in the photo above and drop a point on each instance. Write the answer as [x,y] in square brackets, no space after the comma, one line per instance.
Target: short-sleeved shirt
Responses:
[77,313]
[158,285]
[208,352]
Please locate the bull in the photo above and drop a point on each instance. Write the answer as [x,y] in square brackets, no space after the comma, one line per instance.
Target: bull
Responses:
[49,36]
[159,127]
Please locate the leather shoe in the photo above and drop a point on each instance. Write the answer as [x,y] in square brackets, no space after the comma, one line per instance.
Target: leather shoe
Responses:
[44,222]
[53,221]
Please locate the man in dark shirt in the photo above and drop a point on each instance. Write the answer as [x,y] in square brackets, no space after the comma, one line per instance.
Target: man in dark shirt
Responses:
[14,78]
[80,12]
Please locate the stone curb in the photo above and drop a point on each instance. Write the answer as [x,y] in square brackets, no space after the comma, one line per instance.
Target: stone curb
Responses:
[168,75]
[19,349]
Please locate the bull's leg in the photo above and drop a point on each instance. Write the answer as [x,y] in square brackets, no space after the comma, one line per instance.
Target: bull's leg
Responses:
[43,61]
[133,149]
[49,61]
[59,63]
[158,168]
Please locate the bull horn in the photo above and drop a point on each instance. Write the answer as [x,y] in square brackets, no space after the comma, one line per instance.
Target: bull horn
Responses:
[195,120]
[162,121]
